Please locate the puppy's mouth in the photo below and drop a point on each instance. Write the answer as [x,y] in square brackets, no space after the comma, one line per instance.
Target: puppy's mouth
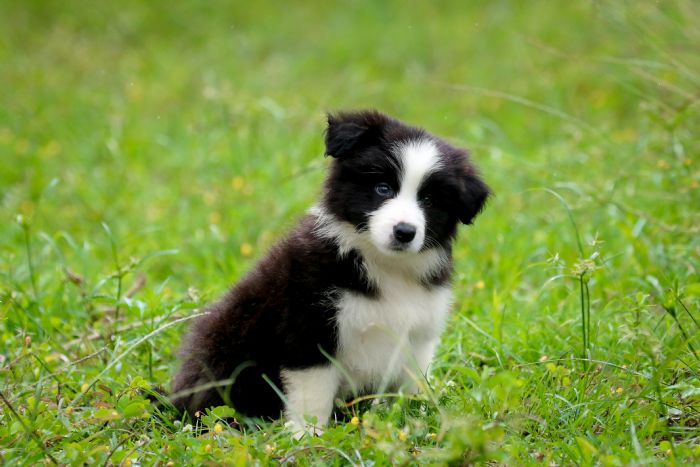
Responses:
[398,247]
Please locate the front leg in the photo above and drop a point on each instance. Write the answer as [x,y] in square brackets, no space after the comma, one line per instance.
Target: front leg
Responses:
[310,394]
[416,369]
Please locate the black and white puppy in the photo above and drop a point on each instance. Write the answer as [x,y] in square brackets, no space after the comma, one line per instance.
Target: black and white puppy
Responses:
[354,299]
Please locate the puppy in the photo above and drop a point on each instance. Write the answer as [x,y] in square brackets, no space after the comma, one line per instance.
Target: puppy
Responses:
[354,299]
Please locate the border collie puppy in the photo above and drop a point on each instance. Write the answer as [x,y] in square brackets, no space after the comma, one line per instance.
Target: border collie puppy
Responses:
[354,299]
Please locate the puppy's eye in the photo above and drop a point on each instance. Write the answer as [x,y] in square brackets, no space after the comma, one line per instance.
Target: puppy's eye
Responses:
[426,201]
[384,190]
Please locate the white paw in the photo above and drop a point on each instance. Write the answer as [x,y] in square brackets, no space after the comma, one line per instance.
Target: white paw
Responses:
[299,431]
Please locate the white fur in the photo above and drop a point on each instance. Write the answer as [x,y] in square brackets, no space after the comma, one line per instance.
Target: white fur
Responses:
[310,393]
[400,209]
[419,159]
[416,266]
[385,342]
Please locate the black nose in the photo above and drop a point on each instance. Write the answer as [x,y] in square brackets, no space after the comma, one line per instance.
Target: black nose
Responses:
[404,232]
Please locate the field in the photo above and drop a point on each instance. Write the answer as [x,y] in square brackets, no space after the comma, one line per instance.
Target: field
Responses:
[150,152]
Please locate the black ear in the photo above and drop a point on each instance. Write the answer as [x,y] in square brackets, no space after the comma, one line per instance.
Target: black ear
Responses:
[349,132]
[472,198]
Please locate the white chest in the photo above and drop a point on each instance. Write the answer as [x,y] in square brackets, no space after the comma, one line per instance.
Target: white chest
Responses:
[387,341]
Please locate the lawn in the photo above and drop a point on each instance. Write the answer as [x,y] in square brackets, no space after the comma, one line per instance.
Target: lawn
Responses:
[150,152]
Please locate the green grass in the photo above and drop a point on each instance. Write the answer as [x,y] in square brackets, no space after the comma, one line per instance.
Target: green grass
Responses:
[151,151]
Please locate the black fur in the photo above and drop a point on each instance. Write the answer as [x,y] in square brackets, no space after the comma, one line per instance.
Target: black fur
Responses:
[277,316]
[281,315]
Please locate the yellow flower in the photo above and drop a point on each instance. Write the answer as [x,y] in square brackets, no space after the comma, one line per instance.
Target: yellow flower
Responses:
[627,134]
[269,449]
[402,435]
[246,249]
[214,218]
[50,149]
[354,421]
[27,208]
[238,183]
[480,285]
[619,390]
[218,428]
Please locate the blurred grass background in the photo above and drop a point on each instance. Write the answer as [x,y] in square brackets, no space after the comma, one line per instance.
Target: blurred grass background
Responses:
[151,151]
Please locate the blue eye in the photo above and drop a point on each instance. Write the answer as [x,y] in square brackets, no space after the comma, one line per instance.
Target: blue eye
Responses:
[384,190]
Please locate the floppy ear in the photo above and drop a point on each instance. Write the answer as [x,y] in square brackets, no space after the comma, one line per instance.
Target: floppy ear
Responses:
[472,198]
[348,132]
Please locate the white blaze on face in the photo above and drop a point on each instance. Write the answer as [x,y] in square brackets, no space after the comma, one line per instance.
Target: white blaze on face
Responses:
[418,159]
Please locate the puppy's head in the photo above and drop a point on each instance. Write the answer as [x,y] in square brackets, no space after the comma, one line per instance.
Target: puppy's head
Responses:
[400,187]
